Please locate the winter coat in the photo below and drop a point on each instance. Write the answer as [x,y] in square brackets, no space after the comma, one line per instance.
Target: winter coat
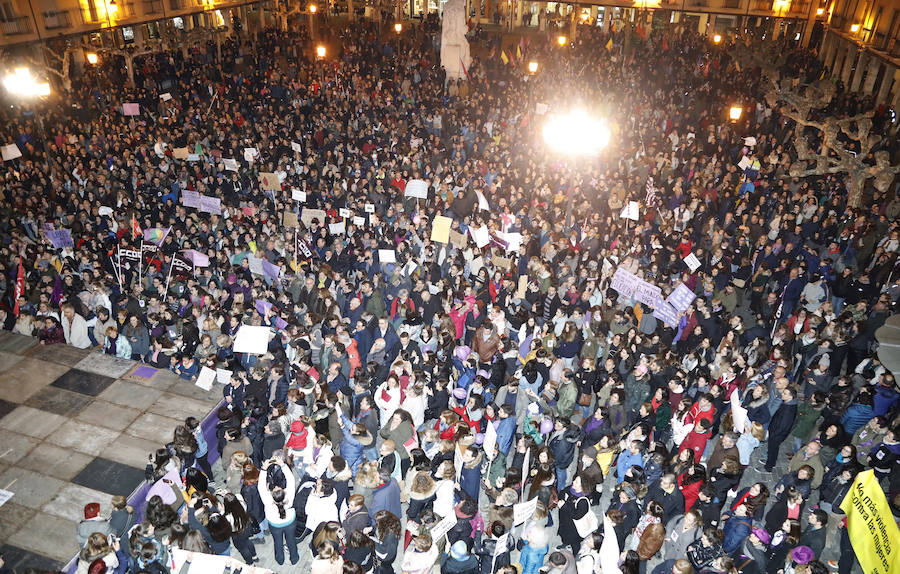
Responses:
[562,445]
[651,541]
[386,497]
[783,421]
[76,334]
[574,507]
[856,417]
[470,477]
[736,529]
[678,540]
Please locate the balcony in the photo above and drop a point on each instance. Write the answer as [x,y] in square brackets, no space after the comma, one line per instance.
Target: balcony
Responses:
[153,6]
[176,5]
[57,20]
[16,26]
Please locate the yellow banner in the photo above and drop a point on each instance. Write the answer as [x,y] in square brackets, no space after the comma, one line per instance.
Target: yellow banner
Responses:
[873,531]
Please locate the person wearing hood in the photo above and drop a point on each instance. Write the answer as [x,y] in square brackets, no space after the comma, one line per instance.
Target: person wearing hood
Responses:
[459,560]
[885,459]
[637,388]
[780,425]
[356,440]
[470,475]
[298,448]
[422,490]
[753,557]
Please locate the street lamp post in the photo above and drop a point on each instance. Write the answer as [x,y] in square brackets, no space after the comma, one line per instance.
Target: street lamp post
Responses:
[575,134]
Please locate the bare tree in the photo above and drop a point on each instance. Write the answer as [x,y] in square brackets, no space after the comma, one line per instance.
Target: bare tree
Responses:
[801,102]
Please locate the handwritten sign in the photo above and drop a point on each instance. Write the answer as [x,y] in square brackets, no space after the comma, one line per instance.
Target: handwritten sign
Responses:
[60,238]
[296,147]
[458,239]
[624,282]
[230,164]
[206,378]
[692,262]
[681,297]
[440,229]
[647,293]
[131,109]
[630,211]
[190,199]
[309,214]
[269,181]
[667,314]
[387,256]
[524,510]
[481,236]
[416,188]
[210,204]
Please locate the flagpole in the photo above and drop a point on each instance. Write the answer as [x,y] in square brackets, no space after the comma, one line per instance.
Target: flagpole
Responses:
[169,276]
[141,265]
[295,250]
[119,265]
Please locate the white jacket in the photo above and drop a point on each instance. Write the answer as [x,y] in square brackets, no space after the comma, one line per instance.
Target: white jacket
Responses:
[321,509]
[76,333]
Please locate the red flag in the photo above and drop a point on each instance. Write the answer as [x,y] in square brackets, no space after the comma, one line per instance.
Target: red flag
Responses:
[465,71]
[20,287]
[135,228]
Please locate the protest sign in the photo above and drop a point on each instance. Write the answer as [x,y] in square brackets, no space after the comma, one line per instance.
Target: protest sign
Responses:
[190,198]
[692,262]
[337,228]
[197,258]
[502,263]
[289,219]
[180,152]
[458,239]
[370,208]
[871,526]
[296,147]
[251,154]
[440,229]
[490,440]
[475,265]
[308,215]
[681,297]
[271,270]
[482,201]
[387,256]
[131,109]
[206,378]
[630,211]
[738,413]
[60,238]
[647,293]
[210,205]
[624,282]
[298,194]
[480,235]
[444,526]
[360,221]
[524,510]
[230,164]
[344,212]
[223,376]
[667,314]
[252,339]
[10,152]
[522,287]
[165,97]
[268,181]
[416,188]
[745,162]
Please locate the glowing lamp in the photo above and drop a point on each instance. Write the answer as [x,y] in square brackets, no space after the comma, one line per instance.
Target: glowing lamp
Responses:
[92,58]
[112,7]
[312,8]
[585,16]
[398,27]
[22,83]
[735,113]
[562,40]
[576,133]
[320,52]
[854,28]
[717,39]
[532,67]
[820,11]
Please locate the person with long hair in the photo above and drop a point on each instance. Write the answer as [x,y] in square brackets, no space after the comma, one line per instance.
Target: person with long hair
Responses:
[573,505]
[327,560]
[361,550]
[98,547]
[387,537]
[242,525]
[279,508]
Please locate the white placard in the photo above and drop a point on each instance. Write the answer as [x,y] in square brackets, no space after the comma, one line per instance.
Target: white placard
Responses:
[251,153]
[223,376]
[482,201]
[481,236]
[490,440]
[10,152]
[205,378]
[252,339]
[692,262]
[344,212]
[357,220]
[524,510]
[165,97]
[337,228]
[296,147]
[738,413]
[5,495]
[750,141]
[230,164]
[416,188]
[387,256]
[745,162]
[298,195]
[630,211]
[444,526]
[475,265]
[370,208]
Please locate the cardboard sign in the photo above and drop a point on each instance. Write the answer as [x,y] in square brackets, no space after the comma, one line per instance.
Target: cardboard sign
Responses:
[180,152]
[190,199]
[252,339]
[296,147]
[387,256]
[230,164]
[647,293]
[692,262]
[210,204]
[681,297]
[440,229]
[206,378]
[458,239]
[298,194]
[624,282]
[309,214]
[416,188]
[131,109]
[501,262]
[522,287]
[289,219]
[10,152]
[481,236]
[268,181]
[630,211]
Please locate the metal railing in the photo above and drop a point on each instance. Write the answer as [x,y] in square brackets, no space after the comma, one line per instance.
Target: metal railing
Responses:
[57,19]
[16,26]
[153,6]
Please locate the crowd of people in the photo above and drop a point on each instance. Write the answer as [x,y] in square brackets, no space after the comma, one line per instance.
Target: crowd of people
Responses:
[411,381]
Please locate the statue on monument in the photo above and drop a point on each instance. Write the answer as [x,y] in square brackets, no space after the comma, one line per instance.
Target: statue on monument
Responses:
[454,45]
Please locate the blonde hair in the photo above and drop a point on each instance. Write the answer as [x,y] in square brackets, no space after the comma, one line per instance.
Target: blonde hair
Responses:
[423,542]
[758,431]
[683,566]
[239,459]
[356,500]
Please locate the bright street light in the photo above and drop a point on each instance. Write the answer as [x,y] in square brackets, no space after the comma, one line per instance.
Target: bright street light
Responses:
[532,67]
[562,40]
[735,113]
[576,133]
[92,58]
[854,28]
[320,51]
[820,11]
[717,38]
[398,27]
[312,8]
[22,83]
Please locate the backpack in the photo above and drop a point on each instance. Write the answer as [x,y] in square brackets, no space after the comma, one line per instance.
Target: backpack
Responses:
[275,477]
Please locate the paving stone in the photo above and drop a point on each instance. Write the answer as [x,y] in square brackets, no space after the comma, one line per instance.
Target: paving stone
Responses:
[110,477]
[31,489]
[83,382]
[153,427]
[14,446]
[108,415]
[18,560]
[131,450]
[83,437]
[27,377]
[47,535]
[59,401]
[178,407]
[70,500]
[17,344]
[106,365]
[8,360]
[62,354]
[6,407]
[32,422]
[129,394]
[13,515]
[58,462]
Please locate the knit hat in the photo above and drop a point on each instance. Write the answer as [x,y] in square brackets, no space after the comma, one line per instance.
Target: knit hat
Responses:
[763,536]
[298,435]
[459,393]
[533,409]
[91,510]
[802,555]
[459,551]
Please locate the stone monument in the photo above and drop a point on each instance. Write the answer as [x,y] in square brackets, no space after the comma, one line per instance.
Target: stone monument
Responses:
[454,46]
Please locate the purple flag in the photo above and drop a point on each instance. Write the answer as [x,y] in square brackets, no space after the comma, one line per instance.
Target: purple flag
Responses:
[57,294]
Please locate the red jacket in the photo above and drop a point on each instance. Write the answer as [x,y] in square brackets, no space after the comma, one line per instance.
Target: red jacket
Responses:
[696,442]
[695,414]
